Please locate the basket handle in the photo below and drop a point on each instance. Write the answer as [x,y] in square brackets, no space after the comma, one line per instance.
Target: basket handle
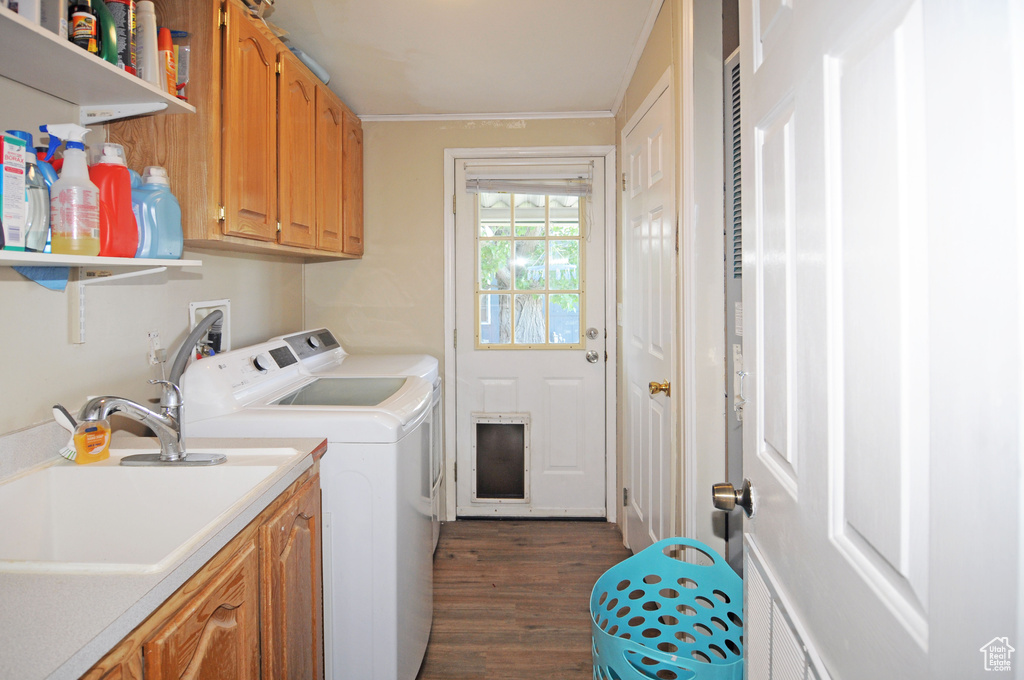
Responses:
[659,549]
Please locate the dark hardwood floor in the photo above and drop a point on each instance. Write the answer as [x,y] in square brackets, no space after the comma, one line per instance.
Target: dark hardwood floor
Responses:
[511,598]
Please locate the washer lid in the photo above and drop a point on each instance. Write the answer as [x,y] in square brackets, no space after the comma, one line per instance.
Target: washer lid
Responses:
[326,391]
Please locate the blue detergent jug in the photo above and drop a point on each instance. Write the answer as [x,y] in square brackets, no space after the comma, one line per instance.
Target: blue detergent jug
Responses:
[158,215]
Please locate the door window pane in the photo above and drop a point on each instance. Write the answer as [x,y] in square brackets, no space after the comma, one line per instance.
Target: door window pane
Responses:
[530,218]
[564,315]
[530,265]
[564,265]
[495,319]
[495,214]
[564,215]
[530,321]
[495,265]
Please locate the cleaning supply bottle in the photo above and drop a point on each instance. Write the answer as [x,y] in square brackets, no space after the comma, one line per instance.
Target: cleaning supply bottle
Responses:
[37,198]
[119,233]
[74,200]
[92,441]
[108,32]
[145,229]
[160,216]
[123,12]
[166,59]
[84,25]
[149,66]
[49,174]
[12,193]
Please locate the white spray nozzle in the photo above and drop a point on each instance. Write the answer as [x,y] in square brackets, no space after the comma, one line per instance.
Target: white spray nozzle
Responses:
[69,132]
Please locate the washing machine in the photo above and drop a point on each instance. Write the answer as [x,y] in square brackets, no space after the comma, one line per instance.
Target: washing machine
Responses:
[321,358]
[379,416]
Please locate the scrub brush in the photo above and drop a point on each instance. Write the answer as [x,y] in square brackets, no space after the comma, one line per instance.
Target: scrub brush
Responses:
[67,421]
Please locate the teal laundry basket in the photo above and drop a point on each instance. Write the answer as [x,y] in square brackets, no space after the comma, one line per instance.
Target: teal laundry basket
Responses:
[656,618]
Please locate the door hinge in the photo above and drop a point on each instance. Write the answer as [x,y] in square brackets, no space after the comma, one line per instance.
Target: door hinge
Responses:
[455,470]
[454,196]
[222,17]
[279,67]
[455,339]
[623,181]
[221,214]
[278,227]
[677,233]
[625,496]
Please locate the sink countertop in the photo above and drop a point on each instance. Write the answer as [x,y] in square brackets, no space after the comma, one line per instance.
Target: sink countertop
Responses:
[57,625]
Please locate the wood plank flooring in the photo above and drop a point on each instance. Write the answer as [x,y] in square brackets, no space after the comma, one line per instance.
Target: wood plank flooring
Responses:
[511,598]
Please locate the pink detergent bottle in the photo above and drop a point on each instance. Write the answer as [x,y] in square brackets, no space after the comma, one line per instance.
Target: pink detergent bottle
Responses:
[119,232]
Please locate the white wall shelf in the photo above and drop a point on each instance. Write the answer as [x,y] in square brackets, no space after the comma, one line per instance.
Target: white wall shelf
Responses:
[33,56]
[89,271]
[11,258]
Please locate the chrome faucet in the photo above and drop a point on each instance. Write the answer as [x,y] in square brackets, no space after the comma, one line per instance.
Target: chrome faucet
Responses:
[166,425]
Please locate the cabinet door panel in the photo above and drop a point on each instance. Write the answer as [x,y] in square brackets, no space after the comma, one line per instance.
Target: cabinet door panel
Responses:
[329,170]
[353,186]
[292,604]
[249,129]
[296,151]
[127,669]
[216,634]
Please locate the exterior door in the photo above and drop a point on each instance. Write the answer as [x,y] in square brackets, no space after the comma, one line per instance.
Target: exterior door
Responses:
[648,262]
[530,345]
[882,337]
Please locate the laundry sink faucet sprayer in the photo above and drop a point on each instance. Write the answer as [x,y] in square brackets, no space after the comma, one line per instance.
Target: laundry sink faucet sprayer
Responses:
[167,423]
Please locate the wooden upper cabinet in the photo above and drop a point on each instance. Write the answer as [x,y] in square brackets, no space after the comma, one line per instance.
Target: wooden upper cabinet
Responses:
[216,636]
[291,595]
[261,149]
[249,129]
[352,189]
[297,180]
[330,116]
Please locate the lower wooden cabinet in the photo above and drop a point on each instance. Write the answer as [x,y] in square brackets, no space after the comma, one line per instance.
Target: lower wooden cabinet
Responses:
[292,588]
[253,611]
[216,634]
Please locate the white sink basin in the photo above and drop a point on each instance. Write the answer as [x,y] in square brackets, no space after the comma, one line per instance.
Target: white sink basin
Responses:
[104,517]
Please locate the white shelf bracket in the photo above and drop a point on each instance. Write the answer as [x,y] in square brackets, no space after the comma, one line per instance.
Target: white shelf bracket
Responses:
[92,115]
[78,279]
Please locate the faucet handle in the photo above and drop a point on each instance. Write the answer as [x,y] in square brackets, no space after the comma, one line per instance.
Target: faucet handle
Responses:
[171,397]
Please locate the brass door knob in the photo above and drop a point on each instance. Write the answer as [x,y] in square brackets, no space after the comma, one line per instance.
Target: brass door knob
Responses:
[665,387]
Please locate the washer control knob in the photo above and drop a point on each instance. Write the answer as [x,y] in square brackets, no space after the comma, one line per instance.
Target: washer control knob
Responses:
[261,362]
[313,342]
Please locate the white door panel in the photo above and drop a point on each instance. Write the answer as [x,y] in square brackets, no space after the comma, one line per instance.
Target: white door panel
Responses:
[648,312]
[876,248]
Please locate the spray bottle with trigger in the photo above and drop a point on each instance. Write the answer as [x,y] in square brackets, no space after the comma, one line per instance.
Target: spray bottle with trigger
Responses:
[74,200]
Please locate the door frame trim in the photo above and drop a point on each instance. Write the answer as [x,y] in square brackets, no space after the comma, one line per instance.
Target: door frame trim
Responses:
[610,319]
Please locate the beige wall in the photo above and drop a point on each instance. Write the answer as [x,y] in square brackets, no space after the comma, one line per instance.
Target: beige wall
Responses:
[40,367]
[393,299]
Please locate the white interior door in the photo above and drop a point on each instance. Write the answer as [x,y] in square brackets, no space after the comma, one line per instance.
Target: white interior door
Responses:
[648,302]
[882,336]
[530,280]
